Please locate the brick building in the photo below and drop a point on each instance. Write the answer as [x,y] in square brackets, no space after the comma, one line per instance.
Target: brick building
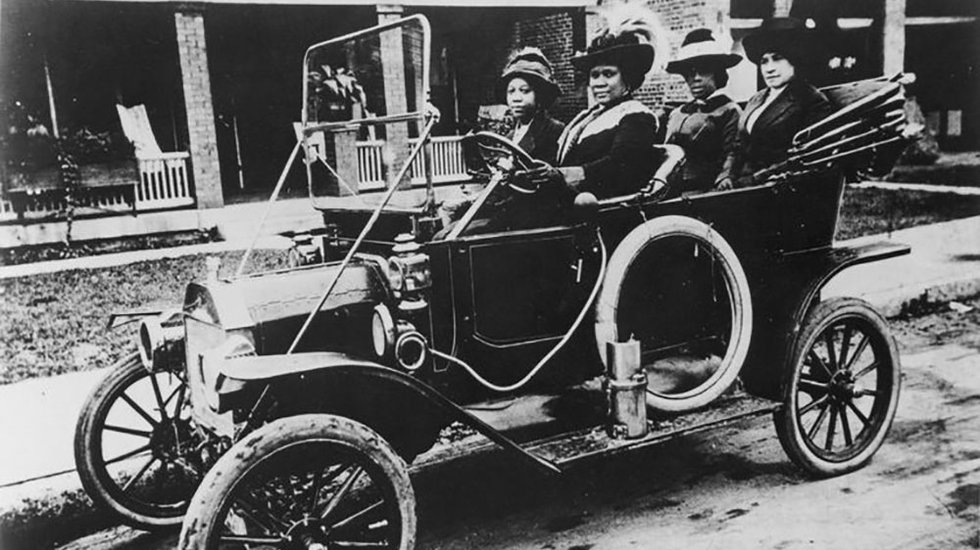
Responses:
[221,78]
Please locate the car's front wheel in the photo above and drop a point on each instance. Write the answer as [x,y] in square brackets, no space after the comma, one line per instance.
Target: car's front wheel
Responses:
[135,445]
[309,481]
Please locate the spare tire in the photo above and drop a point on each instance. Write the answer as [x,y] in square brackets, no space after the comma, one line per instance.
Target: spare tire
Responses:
[675,285]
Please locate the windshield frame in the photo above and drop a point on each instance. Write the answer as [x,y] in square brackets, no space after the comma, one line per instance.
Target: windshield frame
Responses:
[419,116]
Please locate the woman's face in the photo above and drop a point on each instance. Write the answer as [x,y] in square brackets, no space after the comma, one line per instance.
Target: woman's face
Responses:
[701,81]
[521,99]
[607,84]
[777,71]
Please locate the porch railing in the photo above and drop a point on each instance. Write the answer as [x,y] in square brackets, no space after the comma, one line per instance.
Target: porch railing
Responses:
[370,165]
[447,163]
[163,183]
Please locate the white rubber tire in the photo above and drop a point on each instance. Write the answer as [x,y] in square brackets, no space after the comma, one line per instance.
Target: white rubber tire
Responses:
[633,247]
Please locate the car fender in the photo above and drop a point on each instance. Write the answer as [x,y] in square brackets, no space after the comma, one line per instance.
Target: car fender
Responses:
[340,369]
[783,297]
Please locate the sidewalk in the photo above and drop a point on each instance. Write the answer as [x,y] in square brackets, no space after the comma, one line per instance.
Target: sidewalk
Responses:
[38,484]
[234,222]
[944,265]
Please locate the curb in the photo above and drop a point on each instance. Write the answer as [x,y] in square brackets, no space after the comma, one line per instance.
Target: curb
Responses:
[909,301]
[43,512]
[122,258]
[54,510]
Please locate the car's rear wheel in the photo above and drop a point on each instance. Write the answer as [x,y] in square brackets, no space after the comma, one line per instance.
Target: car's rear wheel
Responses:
[841,388]
[309,481]
[675,285]
[135,445]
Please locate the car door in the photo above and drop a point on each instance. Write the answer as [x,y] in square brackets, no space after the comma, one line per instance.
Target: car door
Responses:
[520,293]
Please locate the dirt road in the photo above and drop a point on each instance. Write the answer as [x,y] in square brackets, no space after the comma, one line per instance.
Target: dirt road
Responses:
[732,488]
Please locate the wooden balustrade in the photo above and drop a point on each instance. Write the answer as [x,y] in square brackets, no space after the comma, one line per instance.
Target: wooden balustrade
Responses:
[162,183]
[447,163]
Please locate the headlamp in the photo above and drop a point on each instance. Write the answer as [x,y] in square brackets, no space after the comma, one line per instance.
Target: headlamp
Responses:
[382,331]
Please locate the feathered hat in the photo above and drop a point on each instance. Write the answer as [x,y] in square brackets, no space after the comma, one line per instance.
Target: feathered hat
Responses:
[630,39]
[531,63]
[700,47]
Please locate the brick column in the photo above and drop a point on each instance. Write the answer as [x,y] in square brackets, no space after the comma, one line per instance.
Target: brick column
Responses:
[189,21]
[393,68]
[893,36]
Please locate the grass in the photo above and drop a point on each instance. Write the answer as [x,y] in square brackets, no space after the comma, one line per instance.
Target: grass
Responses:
[55,323]
[872,211]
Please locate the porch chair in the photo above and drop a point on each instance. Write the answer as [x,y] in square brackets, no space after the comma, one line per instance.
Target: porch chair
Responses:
[163,176]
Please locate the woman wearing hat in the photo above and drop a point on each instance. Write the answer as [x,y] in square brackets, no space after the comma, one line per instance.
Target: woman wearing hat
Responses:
[707,126]
[788,103]
[606,149]
[529,90]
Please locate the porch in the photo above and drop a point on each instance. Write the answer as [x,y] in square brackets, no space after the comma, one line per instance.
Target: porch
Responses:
[162,199]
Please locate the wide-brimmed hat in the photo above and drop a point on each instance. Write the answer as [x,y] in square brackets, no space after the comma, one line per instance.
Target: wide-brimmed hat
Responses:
[788,36]
[701,48]
[628,40]
[531,64]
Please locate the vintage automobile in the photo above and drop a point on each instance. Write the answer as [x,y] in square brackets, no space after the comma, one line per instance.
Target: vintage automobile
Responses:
[283,409]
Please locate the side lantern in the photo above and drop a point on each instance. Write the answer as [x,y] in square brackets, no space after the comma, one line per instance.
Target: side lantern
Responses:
[409,273]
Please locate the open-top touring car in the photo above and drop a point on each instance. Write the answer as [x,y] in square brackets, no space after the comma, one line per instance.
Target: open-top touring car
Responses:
[281,409]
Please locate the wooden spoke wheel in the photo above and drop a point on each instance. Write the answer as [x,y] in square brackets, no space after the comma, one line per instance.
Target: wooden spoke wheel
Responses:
[309,481]
[135,446]
[841,389]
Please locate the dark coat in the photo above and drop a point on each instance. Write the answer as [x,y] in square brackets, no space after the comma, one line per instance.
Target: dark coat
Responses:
[708,133]
[541,139]
[614,146]
[797,107]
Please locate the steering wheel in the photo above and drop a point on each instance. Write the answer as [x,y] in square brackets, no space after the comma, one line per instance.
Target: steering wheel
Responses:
[501,157]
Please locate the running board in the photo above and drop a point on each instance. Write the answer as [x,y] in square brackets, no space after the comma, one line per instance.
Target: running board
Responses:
[567,449]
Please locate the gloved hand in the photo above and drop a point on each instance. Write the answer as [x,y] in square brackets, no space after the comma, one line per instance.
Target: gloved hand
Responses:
[541,176]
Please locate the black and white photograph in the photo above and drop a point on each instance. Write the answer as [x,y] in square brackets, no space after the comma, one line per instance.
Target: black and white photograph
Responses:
[489,274]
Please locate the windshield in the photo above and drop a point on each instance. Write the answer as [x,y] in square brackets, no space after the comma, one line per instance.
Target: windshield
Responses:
[364,99]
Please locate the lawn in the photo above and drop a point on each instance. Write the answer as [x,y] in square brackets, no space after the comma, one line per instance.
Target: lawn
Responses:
[873,211]
[55,323]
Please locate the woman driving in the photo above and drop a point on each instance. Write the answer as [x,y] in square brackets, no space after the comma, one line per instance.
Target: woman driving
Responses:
[607,149]
[786,105]
[527,85]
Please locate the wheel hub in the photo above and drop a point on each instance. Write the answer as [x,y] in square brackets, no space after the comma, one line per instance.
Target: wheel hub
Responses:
[171,439]
[842,386]
[308,534]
